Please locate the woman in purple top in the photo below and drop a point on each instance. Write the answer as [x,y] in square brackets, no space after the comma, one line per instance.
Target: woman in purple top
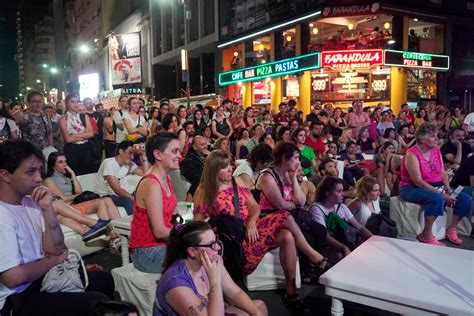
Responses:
[195,281]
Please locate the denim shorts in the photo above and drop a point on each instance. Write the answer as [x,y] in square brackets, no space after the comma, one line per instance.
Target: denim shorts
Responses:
[149,259]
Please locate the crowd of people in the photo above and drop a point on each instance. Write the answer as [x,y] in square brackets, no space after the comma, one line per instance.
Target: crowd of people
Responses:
[278,180]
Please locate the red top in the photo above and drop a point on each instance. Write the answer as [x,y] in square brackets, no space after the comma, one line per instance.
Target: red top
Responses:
[318,146]
[141,235]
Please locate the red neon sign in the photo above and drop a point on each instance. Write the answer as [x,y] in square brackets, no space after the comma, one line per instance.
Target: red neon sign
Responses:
[352,59]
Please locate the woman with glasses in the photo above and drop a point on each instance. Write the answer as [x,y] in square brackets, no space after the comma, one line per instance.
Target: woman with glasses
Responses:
[195,282]
[425,182]
[215,196]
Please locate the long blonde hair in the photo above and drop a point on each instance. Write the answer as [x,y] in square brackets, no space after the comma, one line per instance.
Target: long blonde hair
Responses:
[209,187]
[364,186]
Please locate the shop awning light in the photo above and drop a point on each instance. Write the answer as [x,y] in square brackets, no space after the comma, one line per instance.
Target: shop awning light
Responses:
[267,30]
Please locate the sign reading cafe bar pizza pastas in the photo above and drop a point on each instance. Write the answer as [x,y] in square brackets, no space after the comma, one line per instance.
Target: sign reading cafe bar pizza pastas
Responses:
[273,69]
[416,60]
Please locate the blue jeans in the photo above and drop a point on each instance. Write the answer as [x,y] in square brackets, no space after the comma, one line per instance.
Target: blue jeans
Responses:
[433,202]
[124,202]
[149,259]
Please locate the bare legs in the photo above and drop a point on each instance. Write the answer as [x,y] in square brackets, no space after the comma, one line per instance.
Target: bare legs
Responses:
[284,239]
[69,217]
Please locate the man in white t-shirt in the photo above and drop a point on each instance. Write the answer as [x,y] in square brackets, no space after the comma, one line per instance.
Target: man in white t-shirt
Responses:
[32,241]
[113,170]
[469,124]
[118,119]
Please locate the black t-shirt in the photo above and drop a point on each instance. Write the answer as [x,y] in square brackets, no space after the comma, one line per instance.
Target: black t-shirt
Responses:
[465,171]
[311,117]
[450,148]
[367,145]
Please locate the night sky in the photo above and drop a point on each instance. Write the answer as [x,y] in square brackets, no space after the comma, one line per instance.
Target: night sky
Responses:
[33,9]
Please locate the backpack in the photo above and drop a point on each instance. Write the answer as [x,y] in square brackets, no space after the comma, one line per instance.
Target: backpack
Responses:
[94,143]
[231,232]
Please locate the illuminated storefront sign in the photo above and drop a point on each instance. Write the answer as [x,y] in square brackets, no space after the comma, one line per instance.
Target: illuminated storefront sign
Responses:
[416,60]
[356,59]
[273,69]
[351,10]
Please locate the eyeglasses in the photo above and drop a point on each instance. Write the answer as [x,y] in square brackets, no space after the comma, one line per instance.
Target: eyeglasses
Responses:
[213,246]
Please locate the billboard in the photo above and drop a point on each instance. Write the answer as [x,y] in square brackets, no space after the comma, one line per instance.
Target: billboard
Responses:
[89,86]
[125,60]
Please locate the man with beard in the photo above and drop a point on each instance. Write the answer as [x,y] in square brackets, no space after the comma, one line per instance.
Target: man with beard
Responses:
[185,136]
[315,140]
[32,241]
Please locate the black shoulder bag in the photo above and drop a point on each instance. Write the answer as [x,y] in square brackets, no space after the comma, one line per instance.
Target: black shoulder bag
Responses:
[94,143]
[231,232]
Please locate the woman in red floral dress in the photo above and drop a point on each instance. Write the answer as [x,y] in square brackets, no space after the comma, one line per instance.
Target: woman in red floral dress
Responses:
[215,196]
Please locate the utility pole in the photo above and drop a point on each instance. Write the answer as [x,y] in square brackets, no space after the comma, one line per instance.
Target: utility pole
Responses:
[184,53]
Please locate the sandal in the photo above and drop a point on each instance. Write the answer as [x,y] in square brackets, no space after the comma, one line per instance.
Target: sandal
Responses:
[452,236]
[309,277]
[295,303]
[321,267]
[432,241]
[115,245]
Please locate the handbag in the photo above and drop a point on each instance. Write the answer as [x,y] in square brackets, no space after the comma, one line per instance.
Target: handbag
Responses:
[93,142]
[85,196]
[343,231]
[231,231]
[381,225]
[65,277]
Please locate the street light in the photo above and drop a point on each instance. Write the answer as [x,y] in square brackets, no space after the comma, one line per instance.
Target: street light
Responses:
[45,66]
[54,70]
[84,48]
[38,81]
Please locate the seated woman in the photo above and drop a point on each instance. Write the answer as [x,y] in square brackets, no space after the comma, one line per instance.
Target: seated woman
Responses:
[388,168]
[278,189]
[307,155]
[241,150]
[352,160]
[63,183]
[366,202]
[215,195]
[267,138]
[367,144]
[154,204]
[390,135]
[195,282]
[422,176]
[330,199]
[246,173]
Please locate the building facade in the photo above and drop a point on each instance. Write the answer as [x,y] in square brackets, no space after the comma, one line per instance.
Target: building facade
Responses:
[389,52]
[191,25]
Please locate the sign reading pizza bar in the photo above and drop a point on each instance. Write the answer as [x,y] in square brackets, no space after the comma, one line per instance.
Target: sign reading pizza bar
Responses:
[268,70]
[352,59]
[416,60]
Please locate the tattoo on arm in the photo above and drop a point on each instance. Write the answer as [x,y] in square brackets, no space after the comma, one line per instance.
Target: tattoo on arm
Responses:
[192,311]
[201,306]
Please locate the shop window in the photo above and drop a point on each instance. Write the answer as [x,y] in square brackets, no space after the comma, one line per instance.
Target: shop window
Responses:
[421,84]
[425,37]
[289,44]
[260,53]
[232,58]
[343,33]
[291,87]
[365,84]
[261,91]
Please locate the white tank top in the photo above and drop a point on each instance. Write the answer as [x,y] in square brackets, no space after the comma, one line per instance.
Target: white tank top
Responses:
[364,213]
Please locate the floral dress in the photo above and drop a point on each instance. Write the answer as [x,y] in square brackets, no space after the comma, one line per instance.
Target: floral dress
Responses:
[267,226]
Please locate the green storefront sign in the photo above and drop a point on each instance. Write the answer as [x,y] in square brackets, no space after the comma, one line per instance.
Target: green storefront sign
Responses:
[273,69]
[416,60]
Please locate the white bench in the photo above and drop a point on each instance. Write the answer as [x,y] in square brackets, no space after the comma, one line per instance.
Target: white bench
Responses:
[136,287]
[72,239]
[410,220]
[269,274]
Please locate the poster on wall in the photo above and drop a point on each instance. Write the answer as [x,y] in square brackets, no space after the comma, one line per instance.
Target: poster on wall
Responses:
[89,86]
[125,60]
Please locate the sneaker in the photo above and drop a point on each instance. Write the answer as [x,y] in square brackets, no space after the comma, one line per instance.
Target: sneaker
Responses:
[432,241]
[96,230]
[452,236]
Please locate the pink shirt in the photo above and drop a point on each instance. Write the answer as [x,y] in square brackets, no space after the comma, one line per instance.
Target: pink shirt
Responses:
[359,120]
[430,171]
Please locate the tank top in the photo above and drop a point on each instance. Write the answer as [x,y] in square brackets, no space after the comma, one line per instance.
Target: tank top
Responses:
[364,213]
[430,171]
[141,235]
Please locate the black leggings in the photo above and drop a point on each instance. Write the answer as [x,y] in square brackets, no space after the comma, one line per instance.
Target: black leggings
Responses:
[79,158]
[109,148]
[33,302]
